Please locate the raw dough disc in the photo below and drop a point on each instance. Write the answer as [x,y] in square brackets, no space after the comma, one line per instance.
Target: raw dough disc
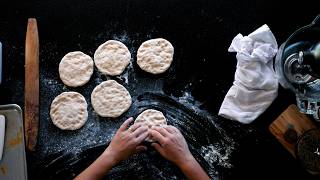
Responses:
[75,69]
[112,57]
[151,118]
[69,111]
[155,56]
[110,99]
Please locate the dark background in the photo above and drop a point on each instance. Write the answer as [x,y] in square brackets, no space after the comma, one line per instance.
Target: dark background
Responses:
[201,32]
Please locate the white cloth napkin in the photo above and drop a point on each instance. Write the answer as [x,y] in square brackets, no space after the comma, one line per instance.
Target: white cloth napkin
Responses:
[255,85]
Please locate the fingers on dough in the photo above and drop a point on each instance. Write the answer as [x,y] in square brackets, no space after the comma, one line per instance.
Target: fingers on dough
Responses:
[125,125]
[151,118]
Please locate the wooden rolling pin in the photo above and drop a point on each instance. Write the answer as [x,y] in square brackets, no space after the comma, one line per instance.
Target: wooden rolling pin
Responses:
[31,91]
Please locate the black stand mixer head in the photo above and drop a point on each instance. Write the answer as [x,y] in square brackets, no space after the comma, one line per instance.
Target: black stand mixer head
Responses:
[298,67]
[309,62]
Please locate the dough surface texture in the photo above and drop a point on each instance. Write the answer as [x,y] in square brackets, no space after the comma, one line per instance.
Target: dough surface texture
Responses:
[110,99]
[69,111]
[75,69]
[112,57]
[151,118]
[155,55]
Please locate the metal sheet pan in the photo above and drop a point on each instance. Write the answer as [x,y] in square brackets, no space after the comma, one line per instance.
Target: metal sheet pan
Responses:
[13,164]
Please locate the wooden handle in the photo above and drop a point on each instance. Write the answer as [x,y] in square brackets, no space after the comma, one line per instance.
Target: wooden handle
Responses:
[31,91]
[289,126]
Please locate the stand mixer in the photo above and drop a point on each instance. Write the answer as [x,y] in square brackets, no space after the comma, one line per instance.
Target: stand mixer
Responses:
[297,67]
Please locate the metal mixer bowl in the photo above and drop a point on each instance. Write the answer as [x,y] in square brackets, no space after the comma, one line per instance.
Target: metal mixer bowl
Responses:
[305,86]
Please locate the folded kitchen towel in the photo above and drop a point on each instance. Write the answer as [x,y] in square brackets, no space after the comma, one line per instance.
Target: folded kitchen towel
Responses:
[255,85]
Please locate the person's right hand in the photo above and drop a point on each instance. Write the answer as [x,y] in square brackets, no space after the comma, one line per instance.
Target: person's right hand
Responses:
[124,143]
[172,144]
[127,141]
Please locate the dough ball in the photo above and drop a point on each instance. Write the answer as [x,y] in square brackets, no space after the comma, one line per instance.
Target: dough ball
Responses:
[151,118]
[155,56]
[110,99]
[112,57]
[69,111]
[75,69]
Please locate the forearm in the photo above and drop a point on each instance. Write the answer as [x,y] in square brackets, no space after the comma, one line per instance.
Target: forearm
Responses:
[98,169]
[193,171]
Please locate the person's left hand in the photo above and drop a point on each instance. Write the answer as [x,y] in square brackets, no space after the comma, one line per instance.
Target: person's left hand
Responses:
[127,141]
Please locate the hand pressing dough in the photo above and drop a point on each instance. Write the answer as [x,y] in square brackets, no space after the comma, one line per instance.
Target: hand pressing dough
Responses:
[155,56]
[151,118]
[69,111]
[75,69]
[112,57]
[110,99]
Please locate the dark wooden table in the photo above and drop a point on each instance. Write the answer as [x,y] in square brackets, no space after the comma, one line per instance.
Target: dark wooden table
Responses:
[201,32]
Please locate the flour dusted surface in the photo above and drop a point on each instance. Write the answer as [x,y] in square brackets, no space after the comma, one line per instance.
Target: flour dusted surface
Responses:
[69,111]
[75,69]
[112,57]
[110,99]
[155,56]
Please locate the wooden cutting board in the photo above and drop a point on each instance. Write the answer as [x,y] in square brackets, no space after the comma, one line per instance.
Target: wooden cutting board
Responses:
[289,126]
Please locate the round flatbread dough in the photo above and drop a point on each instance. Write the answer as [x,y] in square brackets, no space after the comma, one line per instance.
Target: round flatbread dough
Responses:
[155,56]
[75,69]
[151,118]
[110,99]
[69,111]
[112,57]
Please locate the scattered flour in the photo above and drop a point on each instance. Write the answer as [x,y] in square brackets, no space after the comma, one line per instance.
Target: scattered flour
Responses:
[188,100]
[213,154]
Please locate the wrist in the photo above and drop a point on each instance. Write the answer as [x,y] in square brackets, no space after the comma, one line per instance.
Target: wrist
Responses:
[187,163]
[109,157]
[193,170]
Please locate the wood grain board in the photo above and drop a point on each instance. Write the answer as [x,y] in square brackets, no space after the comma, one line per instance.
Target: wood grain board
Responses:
[31,113]
[289,126]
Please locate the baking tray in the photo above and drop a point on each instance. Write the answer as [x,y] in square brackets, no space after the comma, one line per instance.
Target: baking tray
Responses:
[13,164]
[0,62]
